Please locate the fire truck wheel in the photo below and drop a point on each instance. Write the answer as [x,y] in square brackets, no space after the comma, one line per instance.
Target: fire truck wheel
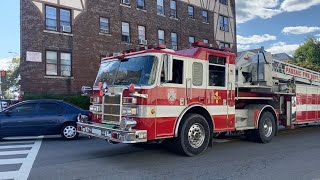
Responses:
[267,128]
[194,135]
[69,131]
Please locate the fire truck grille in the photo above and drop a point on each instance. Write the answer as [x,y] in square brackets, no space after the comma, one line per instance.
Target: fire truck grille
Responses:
[112,109]
[112,99]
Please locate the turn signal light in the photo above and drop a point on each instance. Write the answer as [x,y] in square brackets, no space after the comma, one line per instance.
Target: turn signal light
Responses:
[131,88]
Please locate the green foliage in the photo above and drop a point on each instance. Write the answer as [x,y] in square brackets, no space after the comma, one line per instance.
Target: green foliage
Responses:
[308,54]
[77,100]
[12,85]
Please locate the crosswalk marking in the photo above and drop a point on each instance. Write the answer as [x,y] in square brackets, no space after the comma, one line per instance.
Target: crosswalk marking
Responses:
[5,153]
[16,146]
[11,147]
[16,142]
[12,161]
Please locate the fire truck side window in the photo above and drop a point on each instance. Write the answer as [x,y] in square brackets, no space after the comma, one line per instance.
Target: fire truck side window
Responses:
[217,71]
[177,72]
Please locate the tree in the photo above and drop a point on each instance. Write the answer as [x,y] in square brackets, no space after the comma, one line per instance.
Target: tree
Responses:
[308,54]
[12,84]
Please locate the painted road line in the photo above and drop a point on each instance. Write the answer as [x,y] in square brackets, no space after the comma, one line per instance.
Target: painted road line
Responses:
[26,163]
[12,161]
[16,146]
[16,142]
[26,167]
[8,175]
[5,153]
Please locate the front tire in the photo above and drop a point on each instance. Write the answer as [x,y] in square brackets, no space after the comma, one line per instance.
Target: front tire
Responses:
[194,135]
[69,132]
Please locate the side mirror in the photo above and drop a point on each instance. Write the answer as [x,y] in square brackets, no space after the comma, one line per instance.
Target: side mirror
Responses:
[168,65]
[86,91]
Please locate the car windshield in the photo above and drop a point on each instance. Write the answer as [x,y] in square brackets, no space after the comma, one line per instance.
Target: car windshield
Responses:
[137,70]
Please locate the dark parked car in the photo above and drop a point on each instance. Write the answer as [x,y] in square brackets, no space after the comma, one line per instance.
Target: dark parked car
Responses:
[41,117]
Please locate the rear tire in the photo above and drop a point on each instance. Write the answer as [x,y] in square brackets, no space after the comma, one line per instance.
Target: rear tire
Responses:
[69,131]
[194,135]
[266,129]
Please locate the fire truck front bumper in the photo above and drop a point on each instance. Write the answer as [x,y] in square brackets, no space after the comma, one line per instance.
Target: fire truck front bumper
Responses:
[114,135]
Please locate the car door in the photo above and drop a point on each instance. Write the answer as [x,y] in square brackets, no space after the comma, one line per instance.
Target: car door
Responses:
[18,120]
[51,116]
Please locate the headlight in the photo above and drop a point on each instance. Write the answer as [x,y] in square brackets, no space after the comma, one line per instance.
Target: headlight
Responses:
[127,124]
[129,111]
[95,108]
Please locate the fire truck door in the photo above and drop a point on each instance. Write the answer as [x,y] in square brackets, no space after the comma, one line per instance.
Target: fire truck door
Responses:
[171,99]
[231,96]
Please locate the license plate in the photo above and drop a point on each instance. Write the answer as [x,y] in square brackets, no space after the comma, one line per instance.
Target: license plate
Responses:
[96,131]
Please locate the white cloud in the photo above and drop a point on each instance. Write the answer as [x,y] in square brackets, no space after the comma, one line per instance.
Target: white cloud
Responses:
[298,5]
[300,30]
[255,39]
[282,47]
[5,63]
[243,47]
[248,9]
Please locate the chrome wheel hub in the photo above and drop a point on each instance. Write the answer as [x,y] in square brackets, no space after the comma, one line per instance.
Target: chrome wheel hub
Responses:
[69,132]
[196,135]
[267,128]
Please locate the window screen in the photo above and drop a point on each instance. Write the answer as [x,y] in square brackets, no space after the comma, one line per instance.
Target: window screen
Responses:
[197,74]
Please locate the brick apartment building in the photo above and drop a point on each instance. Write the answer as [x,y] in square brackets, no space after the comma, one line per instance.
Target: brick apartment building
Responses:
[62,41]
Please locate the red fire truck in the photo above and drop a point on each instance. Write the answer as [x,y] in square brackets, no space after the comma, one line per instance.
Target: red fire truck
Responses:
[191,95]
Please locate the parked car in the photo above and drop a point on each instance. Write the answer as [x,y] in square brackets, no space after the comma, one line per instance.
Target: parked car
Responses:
[41,117]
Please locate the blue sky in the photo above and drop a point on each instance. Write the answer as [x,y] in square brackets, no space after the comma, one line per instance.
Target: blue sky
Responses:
[278,25]
[10,30]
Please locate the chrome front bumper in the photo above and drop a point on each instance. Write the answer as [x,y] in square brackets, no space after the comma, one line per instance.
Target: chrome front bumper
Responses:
[111,134]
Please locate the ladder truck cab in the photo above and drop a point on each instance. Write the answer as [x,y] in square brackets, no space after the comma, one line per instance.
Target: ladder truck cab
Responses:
[189,96]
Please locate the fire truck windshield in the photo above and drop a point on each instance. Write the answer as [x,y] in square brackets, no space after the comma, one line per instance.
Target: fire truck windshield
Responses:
[136,70]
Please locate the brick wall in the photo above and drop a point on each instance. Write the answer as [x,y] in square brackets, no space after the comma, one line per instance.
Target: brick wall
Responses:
[87,45]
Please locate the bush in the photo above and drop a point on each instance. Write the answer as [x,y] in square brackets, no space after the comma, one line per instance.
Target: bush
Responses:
[77,100]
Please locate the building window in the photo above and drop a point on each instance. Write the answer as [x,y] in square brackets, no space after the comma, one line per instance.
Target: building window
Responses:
[126,2]
[65,20]
[125,32]
[205,17]
[104,25]
[217,71]
[225,2]
[52,24]
[51,63]
[190,12]
[224,23]
[142,34]
[65,61]
[224,45]
[174,41]
[51,18]
[58,63]
[160,8]
[192,40]
[206,41]
[173,8]
[161,37]
[141,4]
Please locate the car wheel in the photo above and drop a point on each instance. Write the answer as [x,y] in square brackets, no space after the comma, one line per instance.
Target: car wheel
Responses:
[267,128]
[194,135]
[69,132]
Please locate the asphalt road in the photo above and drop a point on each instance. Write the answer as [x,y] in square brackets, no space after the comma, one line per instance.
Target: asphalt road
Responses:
[291,155]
